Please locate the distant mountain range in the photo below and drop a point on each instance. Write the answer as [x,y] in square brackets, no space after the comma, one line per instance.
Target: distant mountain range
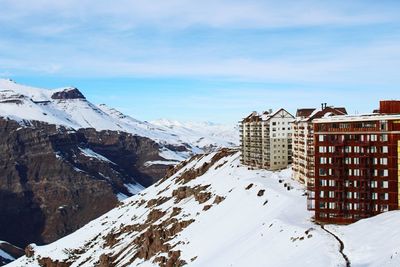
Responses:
[69,107]
[65,161]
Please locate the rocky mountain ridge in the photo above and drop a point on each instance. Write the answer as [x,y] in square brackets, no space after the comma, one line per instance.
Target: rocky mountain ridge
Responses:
[58,179]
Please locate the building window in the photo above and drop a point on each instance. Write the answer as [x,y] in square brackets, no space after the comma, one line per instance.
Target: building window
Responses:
[374,196]
[385,184]
[384,137]
[383,173]
[331,183]
[384,125]
[332,205]
[322,172]
[322,149]
[384,161]
[384,208]
[374,184]
[384,196]
[385,149]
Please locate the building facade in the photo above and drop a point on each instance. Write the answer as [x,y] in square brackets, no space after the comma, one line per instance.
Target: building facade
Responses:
[357,166]
[266,140]
[303,141]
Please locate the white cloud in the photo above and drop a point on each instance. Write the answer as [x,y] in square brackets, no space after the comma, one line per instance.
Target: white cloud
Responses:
[126,14]
[99,38]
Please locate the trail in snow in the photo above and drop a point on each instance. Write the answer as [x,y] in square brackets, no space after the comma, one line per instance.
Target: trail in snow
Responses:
[341,245]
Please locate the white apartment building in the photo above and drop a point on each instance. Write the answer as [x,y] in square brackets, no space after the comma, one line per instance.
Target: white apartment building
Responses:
[266,139]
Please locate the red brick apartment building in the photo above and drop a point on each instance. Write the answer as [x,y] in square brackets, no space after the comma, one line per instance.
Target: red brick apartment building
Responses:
[357,165]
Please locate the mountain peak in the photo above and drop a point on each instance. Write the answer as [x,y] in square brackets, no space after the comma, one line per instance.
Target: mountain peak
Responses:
[7,84]
[68,93]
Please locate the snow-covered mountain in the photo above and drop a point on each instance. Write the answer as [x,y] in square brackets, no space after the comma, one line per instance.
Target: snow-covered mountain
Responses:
[212,211]
[69,107]
[206,135]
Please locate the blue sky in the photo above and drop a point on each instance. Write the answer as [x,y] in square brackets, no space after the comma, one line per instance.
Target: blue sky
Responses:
[214,60]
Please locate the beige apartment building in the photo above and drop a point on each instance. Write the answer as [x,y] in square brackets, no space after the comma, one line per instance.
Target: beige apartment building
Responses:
[303,141]
[266,139]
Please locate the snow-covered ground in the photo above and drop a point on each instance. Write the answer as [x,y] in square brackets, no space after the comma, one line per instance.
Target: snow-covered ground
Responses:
[25,103]
[226,216]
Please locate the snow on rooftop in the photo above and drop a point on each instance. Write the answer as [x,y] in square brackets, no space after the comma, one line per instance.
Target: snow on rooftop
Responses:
[361,117]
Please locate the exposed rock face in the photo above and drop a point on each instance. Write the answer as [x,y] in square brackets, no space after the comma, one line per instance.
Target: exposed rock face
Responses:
[72,93]
[49,185]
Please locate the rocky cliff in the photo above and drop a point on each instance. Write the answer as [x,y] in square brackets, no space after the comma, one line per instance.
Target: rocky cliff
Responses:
[53,180]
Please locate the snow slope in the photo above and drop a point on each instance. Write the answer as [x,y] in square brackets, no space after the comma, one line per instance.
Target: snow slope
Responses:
[372,242]
[24,103]
[211,134]
[225,215]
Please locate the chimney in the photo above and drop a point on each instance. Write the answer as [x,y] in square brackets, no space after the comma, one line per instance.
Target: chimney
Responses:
[270,111]
[322,106]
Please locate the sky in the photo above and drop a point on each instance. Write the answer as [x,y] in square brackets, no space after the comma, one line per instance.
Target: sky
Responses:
[209,60]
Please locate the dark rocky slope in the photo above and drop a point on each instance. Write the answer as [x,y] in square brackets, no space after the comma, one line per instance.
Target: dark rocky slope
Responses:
[50,185]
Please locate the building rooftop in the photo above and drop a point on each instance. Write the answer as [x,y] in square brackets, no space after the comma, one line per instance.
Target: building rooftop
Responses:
[362,117]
